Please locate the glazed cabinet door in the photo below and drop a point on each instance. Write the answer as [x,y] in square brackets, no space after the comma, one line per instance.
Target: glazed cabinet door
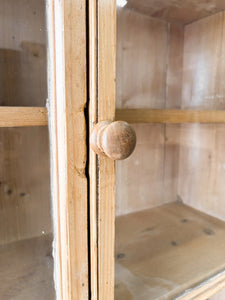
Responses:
[156,103]
[43,150]
[26,231]
[67,123]
[102,64]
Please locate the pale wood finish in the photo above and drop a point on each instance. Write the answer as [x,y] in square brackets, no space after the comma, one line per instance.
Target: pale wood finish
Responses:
[37,116]
[149,76]
[115,140]
[203,89]
[201,168]
[203,146]
[142,48]
[207,289]
[174,66]
[25,202]
[204,64]
[176,11]
[93,117]
[170,116]
[165,251]
[201,163]
[219,295]
[106,63]
[67,54]
[27,269]
[173,99]
[139,179]
[23,73]
[23,116]
[25,205]
[142,51]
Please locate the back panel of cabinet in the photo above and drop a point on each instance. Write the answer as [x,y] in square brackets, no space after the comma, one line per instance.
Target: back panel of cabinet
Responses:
[169,193]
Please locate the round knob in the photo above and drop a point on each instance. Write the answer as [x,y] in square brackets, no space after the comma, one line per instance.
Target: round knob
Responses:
[116,140]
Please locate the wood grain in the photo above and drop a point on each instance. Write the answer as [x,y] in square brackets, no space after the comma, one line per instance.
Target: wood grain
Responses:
[204,64]
[201,157]
[27,269]
[93,117]
[25,205]
[23,116]
[166,251]
[142,47]
[142,188]
[201,173]
[67,89]
[176,11]
[106,61]
[193,152]
[174,66]
[142,56]
[23,73]
[115,140]
[155,160]
[170,116]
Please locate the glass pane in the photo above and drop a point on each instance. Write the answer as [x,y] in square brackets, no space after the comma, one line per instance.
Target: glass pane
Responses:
[26,263]
[170,212]
[23,53]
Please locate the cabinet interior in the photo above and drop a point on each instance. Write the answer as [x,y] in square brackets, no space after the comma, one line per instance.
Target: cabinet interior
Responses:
[170,56]
[26,270]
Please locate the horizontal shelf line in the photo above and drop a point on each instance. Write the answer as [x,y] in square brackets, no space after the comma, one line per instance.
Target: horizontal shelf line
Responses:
[37,116]
[11,116]
[173,116]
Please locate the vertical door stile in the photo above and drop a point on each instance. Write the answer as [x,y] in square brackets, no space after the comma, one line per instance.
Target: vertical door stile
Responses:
[102,42]
[106,171]
[92,19]
[67,126]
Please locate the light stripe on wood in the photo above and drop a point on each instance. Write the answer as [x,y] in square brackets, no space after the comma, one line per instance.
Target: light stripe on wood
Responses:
[23,116]
[92,156]
[170,116]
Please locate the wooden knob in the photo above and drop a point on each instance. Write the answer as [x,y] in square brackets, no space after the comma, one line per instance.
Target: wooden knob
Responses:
[116,140]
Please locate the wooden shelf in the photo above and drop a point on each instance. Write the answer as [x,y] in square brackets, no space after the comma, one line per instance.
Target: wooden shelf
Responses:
[37,116]
[23,116]
[27,269]
[165,251]
[170,116]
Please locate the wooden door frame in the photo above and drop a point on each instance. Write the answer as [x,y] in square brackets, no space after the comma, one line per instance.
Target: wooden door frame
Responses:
[67,58]
[71,187]
[102,74]
[68,87]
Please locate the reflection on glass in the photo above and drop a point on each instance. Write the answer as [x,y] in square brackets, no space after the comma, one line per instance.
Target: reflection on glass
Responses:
[23,53]
[170,212]
[26,262]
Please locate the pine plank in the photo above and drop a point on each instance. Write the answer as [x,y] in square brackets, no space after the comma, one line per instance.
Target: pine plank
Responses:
[23,116]
[67,122]
[176,11]
[173,116]
[167,252]
[27,269]
[106,74]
